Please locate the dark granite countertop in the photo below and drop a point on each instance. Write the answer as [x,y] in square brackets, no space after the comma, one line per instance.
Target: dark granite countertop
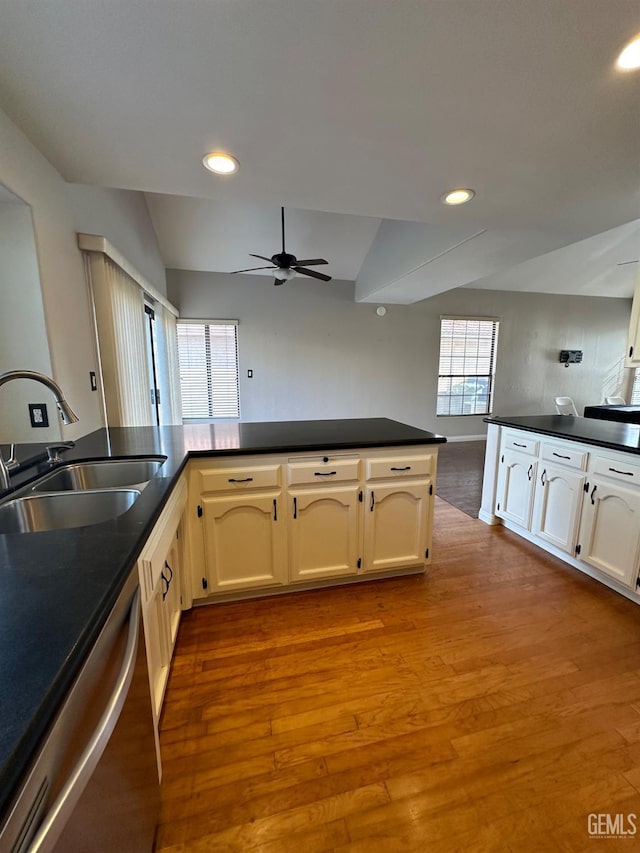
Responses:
[59,586]
[615,436]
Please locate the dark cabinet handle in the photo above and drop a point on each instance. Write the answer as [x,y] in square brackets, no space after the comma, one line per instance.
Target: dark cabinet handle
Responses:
[407,468]
[295,507]
[275,509]
[529,471]
[168,583]
[626,473]
[167,566]
[324,473]
[542,479]
[515,444]
[373,502]
[593,491]
[560,456]
[246,480]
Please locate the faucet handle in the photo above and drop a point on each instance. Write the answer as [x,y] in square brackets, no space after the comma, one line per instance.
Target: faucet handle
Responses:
[54,450]
[12,462]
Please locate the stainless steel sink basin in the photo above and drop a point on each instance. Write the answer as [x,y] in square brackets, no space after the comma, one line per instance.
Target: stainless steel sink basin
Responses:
[101,474]
[34,513]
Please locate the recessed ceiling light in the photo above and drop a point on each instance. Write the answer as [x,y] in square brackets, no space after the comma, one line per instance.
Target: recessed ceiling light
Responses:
[630,56]
[459,196]
[221,163]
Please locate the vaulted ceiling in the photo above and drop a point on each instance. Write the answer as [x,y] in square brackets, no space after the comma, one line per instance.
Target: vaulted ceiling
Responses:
[356,116]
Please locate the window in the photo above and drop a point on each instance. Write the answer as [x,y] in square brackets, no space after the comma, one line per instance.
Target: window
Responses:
[635,390]
[467,366]
[208,360]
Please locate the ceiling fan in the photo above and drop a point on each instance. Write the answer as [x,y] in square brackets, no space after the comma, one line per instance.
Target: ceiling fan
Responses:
[287,266]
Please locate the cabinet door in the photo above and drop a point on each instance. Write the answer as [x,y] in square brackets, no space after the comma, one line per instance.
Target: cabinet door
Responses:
[610,530]
[396,525]
[170,582]
[324,530]
[558,498]
[157,644]
[244,541]
[516,485]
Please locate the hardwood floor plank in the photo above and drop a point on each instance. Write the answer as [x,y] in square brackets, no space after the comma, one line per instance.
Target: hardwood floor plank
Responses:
[491,704]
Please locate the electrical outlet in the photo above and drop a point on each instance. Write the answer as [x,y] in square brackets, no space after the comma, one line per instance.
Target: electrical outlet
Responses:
[38,415]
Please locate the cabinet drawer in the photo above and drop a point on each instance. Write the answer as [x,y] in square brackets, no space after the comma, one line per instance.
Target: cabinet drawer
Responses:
[335,470]
[565,455]
[239,479]
[521,442]
[623,471]
[387,467]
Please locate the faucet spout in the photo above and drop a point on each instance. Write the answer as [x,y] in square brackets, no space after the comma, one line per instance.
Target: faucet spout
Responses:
[66,413]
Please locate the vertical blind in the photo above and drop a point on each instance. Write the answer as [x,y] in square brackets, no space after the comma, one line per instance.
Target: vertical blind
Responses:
[467,365]
[208,360]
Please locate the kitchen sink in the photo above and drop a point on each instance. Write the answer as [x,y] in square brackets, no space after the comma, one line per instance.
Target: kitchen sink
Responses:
[101,474]
[34,513]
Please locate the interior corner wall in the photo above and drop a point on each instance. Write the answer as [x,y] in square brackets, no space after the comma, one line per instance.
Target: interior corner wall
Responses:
[25,172]
[122,216]
[315,353]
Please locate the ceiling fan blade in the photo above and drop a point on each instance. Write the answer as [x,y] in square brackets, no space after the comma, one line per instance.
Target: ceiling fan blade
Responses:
[314,262]
[262,257]
[251,269]
[312,273]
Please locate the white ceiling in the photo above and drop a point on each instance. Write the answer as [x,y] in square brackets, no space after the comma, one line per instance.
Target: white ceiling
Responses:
[366,108]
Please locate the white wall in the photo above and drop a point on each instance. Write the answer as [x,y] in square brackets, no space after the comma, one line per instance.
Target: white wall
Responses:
[58,212]
[21,308]
[317,354]
[25,172]
[122,216]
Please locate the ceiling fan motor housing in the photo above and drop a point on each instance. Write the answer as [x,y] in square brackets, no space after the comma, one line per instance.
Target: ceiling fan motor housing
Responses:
[284,261]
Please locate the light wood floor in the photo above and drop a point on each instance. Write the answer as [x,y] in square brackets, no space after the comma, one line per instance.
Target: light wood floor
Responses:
[490,705]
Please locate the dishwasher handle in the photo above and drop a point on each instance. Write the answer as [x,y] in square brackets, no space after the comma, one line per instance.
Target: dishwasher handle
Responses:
[57,817]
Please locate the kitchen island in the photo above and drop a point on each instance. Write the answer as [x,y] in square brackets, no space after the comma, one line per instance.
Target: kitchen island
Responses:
[571,485]
[60,585]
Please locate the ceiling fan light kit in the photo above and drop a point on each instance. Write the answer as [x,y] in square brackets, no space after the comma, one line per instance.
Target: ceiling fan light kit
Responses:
[287,266]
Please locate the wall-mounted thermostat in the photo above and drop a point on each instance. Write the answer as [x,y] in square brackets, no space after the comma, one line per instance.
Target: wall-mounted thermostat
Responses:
[570,356]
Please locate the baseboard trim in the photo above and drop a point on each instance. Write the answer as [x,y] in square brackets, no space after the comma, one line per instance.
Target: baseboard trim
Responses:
[488,517]
[482,437]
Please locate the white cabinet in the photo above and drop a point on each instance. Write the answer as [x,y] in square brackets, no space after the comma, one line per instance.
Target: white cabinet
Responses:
[580,502]
[324,532]
[160,573]
[267,522]
[244,540]
[557,503]
[633,341]
[610,529]
[396,525]
[516,485]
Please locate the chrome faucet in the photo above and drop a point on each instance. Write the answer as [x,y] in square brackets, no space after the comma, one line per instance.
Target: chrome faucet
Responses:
[66,413]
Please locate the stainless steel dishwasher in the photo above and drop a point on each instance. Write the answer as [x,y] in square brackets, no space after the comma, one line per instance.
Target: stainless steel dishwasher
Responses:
[94,784]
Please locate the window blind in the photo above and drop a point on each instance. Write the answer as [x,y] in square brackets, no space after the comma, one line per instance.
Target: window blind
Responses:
[467,365]
[208,360]
[635,391]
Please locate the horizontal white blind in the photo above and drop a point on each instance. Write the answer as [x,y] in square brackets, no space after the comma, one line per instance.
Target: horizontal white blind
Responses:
[467,366]
[208,359]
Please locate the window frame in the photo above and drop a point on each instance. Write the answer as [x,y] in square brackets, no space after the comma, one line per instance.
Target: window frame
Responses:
[208,393]
[495,321]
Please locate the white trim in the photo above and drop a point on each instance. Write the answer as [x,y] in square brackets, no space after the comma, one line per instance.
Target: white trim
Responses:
[208,321]
[96,243]
[483,437]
